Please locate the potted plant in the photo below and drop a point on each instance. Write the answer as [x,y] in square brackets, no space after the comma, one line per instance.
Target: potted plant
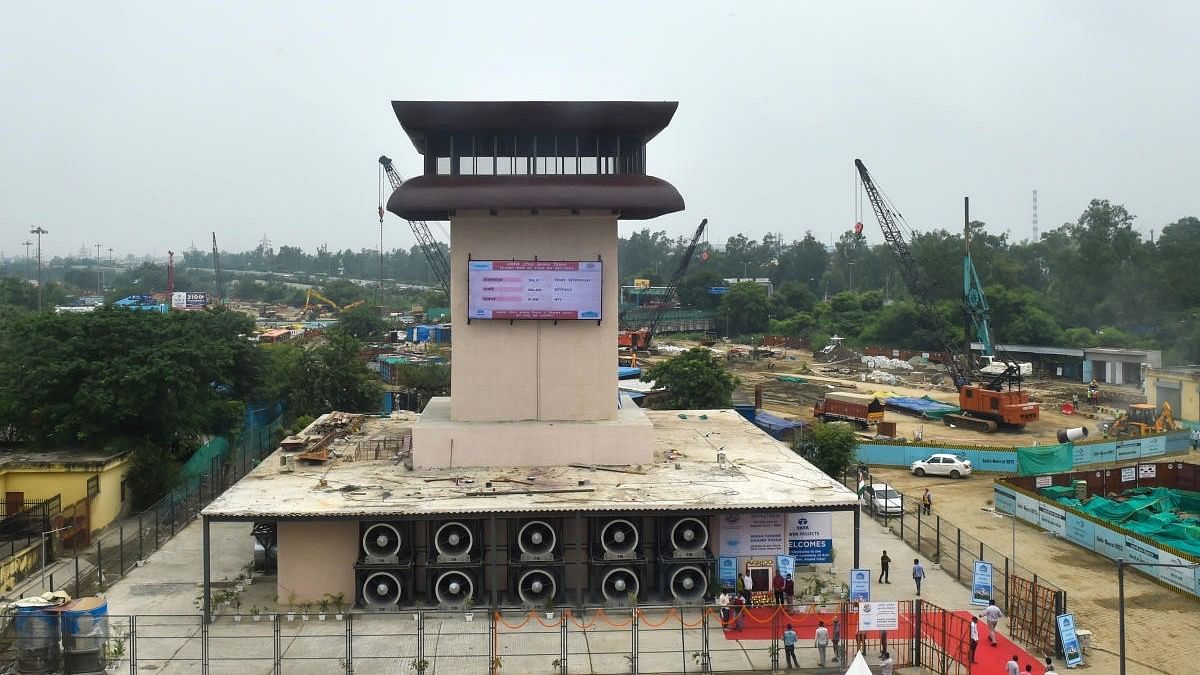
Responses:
[773,653]
[291,613]
[114,651]
[255,614]
[324,608]
[305,608]
[418,604]
[419,665]
[467,605]
[339,605]
[235,599]
[549,607]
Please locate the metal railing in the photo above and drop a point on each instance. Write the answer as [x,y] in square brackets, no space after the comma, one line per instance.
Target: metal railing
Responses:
[1030,601]
[646,639]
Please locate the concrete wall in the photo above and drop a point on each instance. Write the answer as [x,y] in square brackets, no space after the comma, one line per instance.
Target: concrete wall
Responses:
[533,370]
[316,558]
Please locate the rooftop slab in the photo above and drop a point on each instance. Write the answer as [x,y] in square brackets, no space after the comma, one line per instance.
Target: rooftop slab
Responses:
[760,473]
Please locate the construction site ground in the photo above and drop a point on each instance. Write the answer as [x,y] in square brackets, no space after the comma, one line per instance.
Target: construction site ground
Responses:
[795,400]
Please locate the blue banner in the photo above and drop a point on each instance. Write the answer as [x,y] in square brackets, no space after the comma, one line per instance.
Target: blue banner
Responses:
[1070,641]
[981,585]
[727,570]
[860,585]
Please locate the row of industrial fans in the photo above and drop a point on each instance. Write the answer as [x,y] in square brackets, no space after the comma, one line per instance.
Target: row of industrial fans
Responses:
[453,571]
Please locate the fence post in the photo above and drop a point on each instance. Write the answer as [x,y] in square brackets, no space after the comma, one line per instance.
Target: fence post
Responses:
[1060,608]
[937,535]
[633,630]
[958,553]
[919,507]
[155,528]
[277,646]
[132,637]
[99,566]
[349,616]
[171,496]
[705,647]
[562,642]
[918,606]
[121,548]
[492,614]
[420,636]
[77,594]
[204,622]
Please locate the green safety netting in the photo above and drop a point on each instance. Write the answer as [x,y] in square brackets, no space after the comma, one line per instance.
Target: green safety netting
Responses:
[1058,491]
[1162,514]
[1043,459]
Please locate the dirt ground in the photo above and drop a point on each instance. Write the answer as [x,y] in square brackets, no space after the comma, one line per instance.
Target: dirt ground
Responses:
[795,400]
[1160,623]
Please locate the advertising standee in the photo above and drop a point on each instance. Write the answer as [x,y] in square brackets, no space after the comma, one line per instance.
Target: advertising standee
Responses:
[981,584]
[1069,640]
[860,585]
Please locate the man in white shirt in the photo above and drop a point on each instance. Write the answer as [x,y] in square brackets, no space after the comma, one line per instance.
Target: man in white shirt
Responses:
[1012,667]
[747,585]
[992,615]
[974,638]
[723,605]
[821,639]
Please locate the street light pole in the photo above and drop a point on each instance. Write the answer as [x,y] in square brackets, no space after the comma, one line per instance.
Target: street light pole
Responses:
[1121,564]
[98,273]
[39,231]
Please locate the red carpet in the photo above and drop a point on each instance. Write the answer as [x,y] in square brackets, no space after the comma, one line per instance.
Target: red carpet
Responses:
[759,623]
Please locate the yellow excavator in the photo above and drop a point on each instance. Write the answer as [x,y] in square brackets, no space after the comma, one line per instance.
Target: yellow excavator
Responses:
[1143,418]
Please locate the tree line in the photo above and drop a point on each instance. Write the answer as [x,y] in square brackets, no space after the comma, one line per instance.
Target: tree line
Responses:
[159,385]
[1094,282]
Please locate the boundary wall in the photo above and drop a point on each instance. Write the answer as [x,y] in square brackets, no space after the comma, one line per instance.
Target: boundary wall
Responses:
[1005,459]
[1099,536]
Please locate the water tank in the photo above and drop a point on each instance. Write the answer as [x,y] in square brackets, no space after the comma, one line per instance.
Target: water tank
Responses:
[37,632]
[84,633]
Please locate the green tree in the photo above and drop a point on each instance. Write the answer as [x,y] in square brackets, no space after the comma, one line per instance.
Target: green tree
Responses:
[361,323]
[693,289]
[328,376]
[693,380]
[426,380]
[744,309]
[832,446]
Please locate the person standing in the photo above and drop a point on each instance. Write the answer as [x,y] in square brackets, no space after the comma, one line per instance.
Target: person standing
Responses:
[974,639]
[992,615]
[860,641]
[723,606]
[739,612]
[927,501]
[835,635]
[884,563]
[887,666]
[821,639]
[747,586]
[1196,438]
[789,591]
[918,574]
[789,646]
[1012,667]
[777,585]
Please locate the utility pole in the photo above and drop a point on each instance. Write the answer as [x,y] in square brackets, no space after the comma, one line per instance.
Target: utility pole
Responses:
[39,231]
[99,289]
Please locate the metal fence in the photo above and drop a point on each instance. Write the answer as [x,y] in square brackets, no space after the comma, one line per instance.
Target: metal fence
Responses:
[592,640]
[25,525]
[1031,602]
[125,544]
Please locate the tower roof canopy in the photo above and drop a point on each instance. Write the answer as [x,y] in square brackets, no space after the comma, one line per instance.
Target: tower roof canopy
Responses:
[422,119]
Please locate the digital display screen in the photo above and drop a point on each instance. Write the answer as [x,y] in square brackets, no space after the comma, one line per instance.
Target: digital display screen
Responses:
[535,289]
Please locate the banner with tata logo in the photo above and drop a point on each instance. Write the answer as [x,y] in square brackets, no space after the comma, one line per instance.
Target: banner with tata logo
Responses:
[810,537]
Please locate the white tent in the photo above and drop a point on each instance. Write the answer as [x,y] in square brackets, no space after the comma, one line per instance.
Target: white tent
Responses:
[859,666]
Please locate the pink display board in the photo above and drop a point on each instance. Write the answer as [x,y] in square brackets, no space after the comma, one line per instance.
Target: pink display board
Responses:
[535,289]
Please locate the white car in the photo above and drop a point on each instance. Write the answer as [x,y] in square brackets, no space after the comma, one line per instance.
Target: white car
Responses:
[942,464]
[882,499]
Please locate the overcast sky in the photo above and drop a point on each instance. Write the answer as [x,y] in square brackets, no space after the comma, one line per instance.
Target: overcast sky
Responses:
[146,126]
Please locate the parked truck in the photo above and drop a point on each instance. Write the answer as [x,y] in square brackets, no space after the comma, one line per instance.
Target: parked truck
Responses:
[862,409]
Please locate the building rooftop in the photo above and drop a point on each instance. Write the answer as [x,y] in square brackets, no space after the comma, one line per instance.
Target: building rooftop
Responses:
[32,458]
[760,473]
[1188,371]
